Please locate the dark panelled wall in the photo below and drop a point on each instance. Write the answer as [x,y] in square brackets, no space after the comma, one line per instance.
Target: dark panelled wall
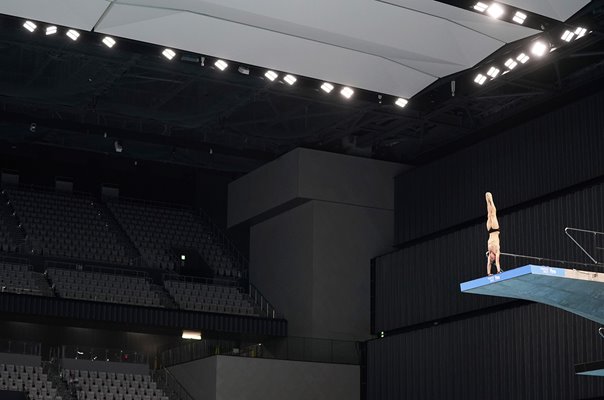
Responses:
[549,153]
[421,282]
[525,353]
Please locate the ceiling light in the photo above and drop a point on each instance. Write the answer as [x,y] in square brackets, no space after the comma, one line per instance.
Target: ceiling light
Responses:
[327,87]
[221,64]
[523,58]
[290,79]
[493,72]
[401,102]
[567,36]
[51,30]
[30,26]
[510,63]
[347,92]
[243,70]
[271,75]
[168,53]
[519,17]
[109,41]
[73,34]
[495,10]
[191,335]
[480,6]
[480,79]
[580,32]
[539,48]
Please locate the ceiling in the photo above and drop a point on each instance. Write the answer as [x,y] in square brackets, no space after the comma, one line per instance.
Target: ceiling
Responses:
[84,96]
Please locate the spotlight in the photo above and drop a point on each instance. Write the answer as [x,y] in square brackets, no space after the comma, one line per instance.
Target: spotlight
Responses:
[30,26]
[109,41]
[118,146]
[347,92]
[51,30]
[480,79]
[327,87]
[567,36]
[480,7]
[32,127]
[290,79]
[168,53]
[191,335]
[495,10]
[510,63]
[580,32]
[401,102]
[183,257]
[523,58]
[539,49]
[519,17]
[221,65]
[243,70]
[73,34]
[271,75]
[382,334]
[493,72]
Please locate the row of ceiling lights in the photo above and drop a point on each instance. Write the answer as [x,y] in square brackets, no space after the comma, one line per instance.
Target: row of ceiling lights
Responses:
[169,54]
[538,49]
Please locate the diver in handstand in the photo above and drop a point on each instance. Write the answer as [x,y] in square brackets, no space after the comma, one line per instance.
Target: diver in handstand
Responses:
[493,248]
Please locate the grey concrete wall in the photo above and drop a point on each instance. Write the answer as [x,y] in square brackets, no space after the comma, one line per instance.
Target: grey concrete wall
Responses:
[107,366]
[197,377]
[262,379]
[281,265]
[20,359]
[345,239]
[311,174]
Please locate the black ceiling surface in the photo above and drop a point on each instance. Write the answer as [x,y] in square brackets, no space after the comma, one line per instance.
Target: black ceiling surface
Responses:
[84,97]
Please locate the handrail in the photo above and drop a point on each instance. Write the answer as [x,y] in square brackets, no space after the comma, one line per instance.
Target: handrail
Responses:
[540,259]
[199,279]
[173,381]
[266,308]
[96,268]
[577,243]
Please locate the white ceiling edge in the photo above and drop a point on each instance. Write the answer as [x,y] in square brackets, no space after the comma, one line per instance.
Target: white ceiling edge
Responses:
[253,46]
[560,10]
[71,13]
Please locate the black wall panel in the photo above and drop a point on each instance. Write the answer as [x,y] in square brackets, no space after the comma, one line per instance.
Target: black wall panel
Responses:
[547,154]
[421,282]
[526,352]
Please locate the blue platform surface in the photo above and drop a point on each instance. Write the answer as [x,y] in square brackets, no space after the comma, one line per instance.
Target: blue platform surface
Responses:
[579,292]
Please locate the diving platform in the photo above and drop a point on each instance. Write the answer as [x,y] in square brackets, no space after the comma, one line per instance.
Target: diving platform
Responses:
[579,292]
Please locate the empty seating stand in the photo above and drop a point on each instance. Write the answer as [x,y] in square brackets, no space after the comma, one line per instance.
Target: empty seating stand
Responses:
[67,225]
[105,287]
[98,385]
[196,296]
[156,230]
[17,278]
[28,379]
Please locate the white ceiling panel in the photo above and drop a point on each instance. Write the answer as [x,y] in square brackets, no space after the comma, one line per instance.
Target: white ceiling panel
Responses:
[77,14]
[556,9]
[255,46]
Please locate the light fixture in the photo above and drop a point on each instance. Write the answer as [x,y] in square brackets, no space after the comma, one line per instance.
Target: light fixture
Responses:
[191,335]
[480,79]
[510,63]
[580,32]
[347,92]
[327,87]
[493,72]
[30,26]
[73,34]
[401,102]
[539,48]
[523,58]
[183,257]
[51,30]
[271,75]
[290,79]
[168,53]
[243,70]
[109,41]
[221,64]
[519,17]
[480,6]
[495,10]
